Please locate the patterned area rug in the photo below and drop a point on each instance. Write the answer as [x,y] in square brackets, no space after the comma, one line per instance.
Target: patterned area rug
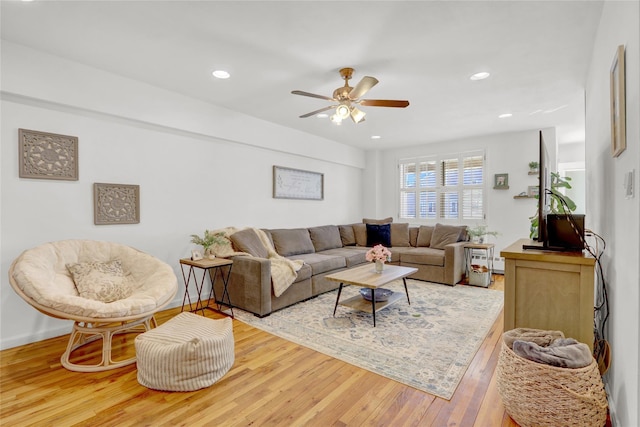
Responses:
[427,345]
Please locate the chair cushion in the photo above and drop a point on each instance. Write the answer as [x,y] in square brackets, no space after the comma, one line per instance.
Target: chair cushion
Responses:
[101,281]
[325,237]
[41,274]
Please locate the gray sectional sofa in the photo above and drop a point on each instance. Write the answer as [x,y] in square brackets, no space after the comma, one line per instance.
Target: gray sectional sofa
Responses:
[436,251]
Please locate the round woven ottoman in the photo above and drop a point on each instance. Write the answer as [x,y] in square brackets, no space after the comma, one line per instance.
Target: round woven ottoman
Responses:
[187,353]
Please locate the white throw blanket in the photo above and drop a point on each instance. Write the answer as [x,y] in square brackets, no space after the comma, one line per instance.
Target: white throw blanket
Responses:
[283,270]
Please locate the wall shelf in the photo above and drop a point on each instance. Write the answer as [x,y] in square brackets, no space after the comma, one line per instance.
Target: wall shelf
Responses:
[524,197]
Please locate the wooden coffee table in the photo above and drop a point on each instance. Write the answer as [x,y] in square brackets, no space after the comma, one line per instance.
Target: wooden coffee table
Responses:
[366,277]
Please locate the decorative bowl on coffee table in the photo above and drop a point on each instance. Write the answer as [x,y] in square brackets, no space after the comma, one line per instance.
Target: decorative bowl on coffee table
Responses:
[382,294]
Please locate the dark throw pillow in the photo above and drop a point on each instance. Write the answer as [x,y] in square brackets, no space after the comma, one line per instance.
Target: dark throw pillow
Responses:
[379,234]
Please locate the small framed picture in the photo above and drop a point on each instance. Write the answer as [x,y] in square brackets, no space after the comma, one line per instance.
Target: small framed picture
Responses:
[501,181]
[533,191]
[196,255]
[618,108]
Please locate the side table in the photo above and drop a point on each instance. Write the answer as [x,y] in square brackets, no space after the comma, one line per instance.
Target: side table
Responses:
[487,248]
[213,267]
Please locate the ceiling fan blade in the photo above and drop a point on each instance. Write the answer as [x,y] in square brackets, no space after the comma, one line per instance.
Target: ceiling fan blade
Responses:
[312,95]
[363,87]
[383,103]
[313,113]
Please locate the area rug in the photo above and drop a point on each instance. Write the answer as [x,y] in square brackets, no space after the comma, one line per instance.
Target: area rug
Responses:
[427,345]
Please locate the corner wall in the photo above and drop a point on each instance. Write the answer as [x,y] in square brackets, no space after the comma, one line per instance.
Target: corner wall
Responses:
[609,213]
[198,166]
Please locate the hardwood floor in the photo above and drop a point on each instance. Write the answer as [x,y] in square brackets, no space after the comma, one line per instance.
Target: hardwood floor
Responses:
[272,382]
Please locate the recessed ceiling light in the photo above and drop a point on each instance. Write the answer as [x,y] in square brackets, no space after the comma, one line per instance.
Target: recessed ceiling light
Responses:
[375,137]
[221,74]
[505,115]
[322,116]
[479,76]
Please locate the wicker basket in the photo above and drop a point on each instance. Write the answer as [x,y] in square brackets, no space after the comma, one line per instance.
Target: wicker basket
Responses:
[536,394]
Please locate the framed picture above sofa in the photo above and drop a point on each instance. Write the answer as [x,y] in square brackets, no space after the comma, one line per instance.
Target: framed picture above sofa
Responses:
[297,184]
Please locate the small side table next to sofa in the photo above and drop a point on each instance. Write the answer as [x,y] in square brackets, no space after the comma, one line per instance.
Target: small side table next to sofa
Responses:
[213,267]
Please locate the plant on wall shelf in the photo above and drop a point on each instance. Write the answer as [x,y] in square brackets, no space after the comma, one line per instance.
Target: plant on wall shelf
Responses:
[556,198]
[478,233]
[533,166]
[209,239]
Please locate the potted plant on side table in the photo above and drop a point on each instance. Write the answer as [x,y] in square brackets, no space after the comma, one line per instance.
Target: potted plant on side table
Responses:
[209,239]
[479,233]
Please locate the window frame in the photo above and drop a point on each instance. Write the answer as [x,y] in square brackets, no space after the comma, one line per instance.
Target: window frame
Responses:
[408,195]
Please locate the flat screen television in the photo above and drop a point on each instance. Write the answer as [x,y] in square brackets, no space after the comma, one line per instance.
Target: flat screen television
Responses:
[544,182]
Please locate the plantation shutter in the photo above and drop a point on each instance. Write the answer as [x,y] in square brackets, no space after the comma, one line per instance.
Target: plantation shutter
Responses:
[451,187]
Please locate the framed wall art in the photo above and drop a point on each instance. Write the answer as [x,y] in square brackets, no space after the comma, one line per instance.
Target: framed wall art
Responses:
[297,184]
[45,155]
[618,107]
[116,204]
[501,181]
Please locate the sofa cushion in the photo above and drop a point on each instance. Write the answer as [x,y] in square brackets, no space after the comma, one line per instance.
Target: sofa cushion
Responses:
[388,220]
[444,235]
[413,236]
[352,255]
[320,263]
[347,235]
[325,237]
[424,256]
[292,241]
[400,234]
[247,241]
[424,235]
[360,231]
[379,234]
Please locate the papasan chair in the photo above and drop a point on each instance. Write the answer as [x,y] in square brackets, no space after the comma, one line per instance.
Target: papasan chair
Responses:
[105,288]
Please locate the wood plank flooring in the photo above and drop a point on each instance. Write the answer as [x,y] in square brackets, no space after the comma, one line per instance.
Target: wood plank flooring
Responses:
[273,382]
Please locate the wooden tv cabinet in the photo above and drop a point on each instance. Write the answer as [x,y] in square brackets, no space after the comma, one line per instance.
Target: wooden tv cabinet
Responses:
[549,290]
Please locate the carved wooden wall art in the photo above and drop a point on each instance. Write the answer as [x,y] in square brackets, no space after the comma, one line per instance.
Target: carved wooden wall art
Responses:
[45,155]
[116,204]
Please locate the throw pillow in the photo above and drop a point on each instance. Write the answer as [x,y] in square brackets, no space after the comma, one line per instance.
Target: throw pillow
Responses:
[379,234]
[400,235]
[347,235]
[248,241]
[325,237]
[388,220]
[360,231]
[444,235]
[100,281]
[424,235]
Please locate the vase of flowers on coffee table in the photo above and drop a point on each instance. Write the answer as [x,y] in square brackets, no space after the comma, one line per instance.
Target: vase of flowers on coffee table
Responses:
[378,255]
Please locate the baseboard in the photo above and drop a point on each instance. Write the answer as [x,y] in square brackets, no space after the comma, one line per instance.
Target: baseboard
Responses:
[35,337]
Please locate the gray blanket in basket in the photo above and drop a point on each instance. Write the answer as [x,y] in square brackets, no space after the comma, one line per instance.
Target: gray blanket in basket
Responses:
[562,352]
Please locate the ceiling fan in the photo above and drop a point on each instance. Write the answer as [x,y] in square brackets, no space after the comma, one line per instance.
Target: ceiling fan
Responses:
[348,97]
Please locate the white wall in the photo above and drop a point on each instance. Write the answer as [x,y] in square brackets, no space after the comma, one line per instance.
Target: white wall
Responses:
[505,153]
[609,213]
[198,166]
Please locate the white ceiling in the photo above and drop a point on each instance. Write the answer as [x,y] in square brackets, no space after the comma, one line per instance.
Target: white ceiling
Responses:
[423,51]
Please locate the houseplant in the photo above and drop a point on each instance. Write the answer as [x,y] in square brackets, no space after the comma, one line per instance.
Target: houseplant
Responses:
[558,202]
[533,167]
[209,239]
[479,232]
[378,254]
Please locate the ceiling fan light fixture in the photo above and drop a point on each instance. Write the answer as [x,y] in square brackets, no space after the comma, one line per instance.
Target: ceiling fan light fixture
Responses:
[336,119]
[357,115]
[342,111]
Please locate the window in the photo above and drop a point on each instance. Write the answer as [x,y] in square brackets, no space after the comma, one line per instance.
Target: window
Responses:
[448,187]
